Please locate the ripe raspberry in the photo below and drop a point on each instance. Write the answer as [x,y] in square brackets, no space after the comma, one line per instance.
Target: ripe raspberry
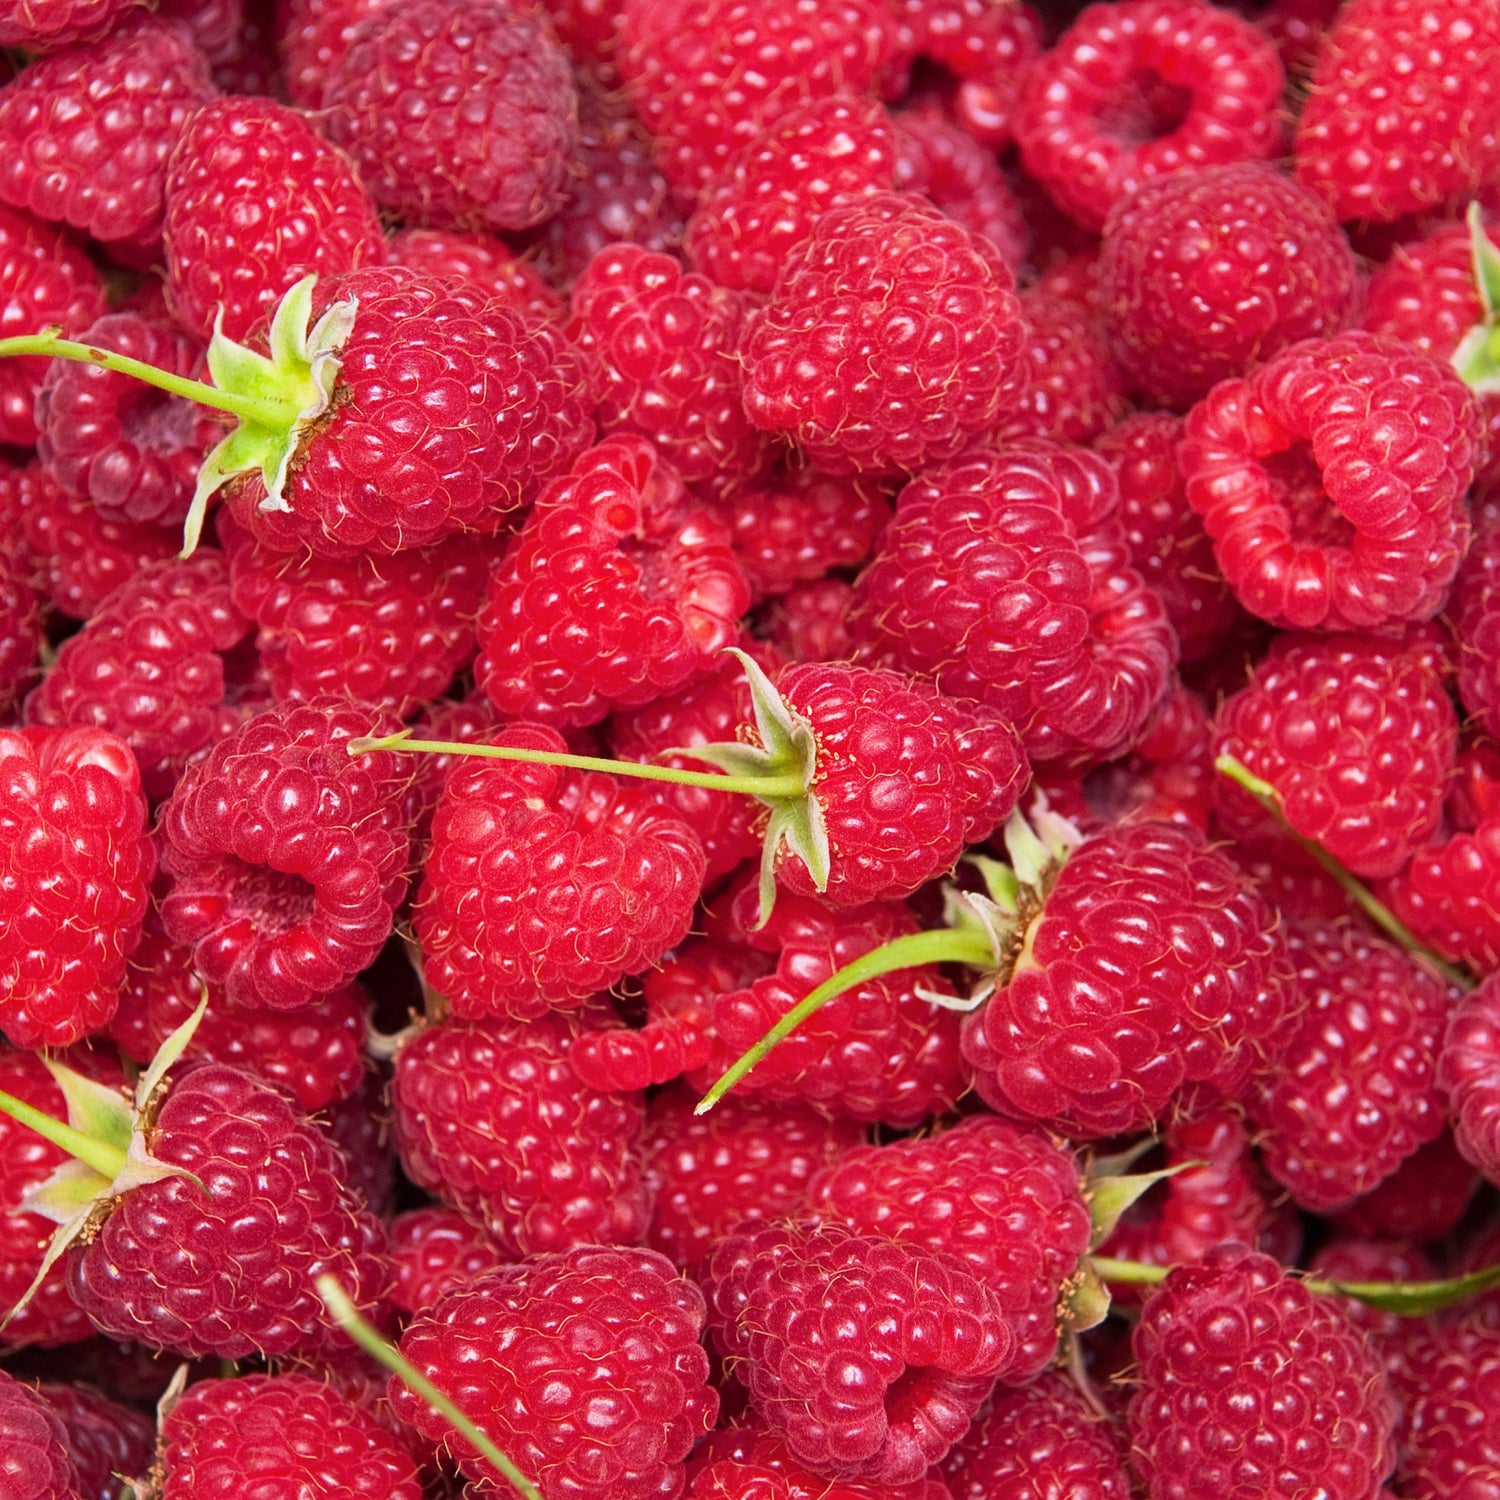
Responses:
[1331,481]
[360,1127]
[750,1463]
[600,1344]
[617,589]
[868,1357]
[21,612]
[1300,1401]
[492,1119]
[744,1161]
[1150,966]
[45,281]
[662,346]
[1474,612]
[1423,1199]
[287,856]
[479,261]
[1449,895]
[34,1459]
[886,284]
[1469,1076]
[1220,83]
[1453,1417]
[105,1438]
[811,622]
[1004,576]
[280,1434]
[433,1249]
[45,25]
[315,35]
[1210,271]
[457,116]
[999,1197]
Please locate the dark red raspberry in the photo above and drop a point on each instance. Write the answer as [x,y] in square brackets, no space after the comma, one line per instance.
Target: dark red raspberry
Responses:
[744,1161]
[893,339]
[583,1367]
[34,1459]
[360,1128]
[811,622]
[479,261]
[1000,1197]
[1423,1199]
[314,36]
[433,1249]
[43,27]
[457,116]
[868,1357]
[1449,895]
[663,346]
[1005,576]
[1150,966]
[106,1439]
[1300,1400]
[617,589]
[1210,271]
[493,1120]
[1453,1416]
[1297,27]
[287,856]
[255,201]
[279,1434]
[1219,82]
[751,1463]
[21,610]
[1474,612]
[1331,479]
[1469,1076]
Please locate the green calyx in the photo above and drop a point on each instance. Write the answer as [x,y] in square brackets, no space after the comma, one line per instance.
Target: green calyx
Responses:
[1477,358]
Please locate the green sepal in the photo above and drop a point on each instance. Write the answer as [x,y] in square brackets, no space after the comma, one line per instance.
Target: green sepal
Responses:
[1413,1299]
[1085,1300]
[1109,1197]
[97,1110]
[71,1187]
[1477,357]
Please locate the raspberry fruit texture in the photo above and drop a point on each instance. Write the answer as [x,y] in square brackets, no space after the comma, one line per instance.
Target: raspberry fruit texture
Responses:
[105,1437]
[583,1367]
[1449,895]
[433,1249]
[867,1356]
[1002,1198]
[231,1273]
[811,621]
[1474,613]
[752,1463]
[1005,577]
[492,1119]
[1331,479]
[1220,82]
[1423,1199]
[1452,1433]
[287,857]
[1210,271]
[279,1435]
[1151,965]
[617,589]
[1469,1076]
[34,1459]
[256,200]
[316,34]
[22,621]
[477,260]
[456,115]
[543,886]
[893,339]
[1301,1402]
[45,25]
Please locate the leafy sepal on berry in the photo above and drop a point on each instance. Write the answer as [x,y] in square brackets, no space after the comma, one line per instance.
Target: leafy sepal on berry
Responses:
[1477,358]
[1109,1196]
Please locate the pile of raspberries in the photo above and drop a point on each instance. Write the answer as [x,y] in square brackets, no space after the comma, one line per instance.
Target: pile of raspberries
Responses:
[1045,459]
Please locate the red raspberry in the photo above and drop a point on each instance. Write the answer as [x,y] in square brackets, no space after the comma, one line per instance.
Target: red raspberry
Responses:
[359,1127]
[493,1120]
[1221,83]
[868,1357]
[1469,1076]
[255,201]
[583,1367]
[663,347]
[46,281]
[1401,107]
[1212,270]
[1150,966]
[45,25]
[36,1463]
[1300,1401]
[616,590]
[1004,575]
[1453,1417]
[279,1434]
[433,1249]
[1297,27]
[314,36]
[811,622]
[709,77]
[886,283]
[1356,735]
[287,856]
[458,116]
[1331,479]
[1164,534]
[1449,895]
[1000,1197]
[744,1161]
[1474,612]
[472,720]
[1423,1199]
[751,1463]
[105,1438]
[479,261]
[21,612]
[1041,1441]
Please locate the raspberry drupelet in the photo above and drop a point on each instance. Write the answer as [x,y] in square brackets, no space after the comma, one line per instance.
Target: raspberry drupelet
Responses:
[1449,895]
[1468,1070]
[106,1438]
[752,1463]
[481,261]
[433,1249]
[36,1463]
[59,23]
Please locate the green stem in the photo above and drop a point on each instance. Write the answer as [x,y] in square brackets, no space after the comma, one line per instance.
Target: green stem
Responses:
[108,1161]
[1365,899]
[248,408]
[1131,1272]
[945,946]
[767,788]
[344,1313]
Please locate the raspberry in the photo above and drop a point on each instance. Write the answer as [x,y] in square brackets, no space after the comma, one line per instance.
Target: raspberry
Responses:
[280,1434]
[1004,575]
[1468,1076]
[105,1438]
[999,1197]
[359,1127]
[886,284]
[1449,895]
[1423,1199]
[1220,82]
[35,26]
[749,1463]
[1212,270]
[287,856]
[255,201]
[867,1356]
[34,1459]
[21,614]
[433,1249]
[457,116]
[811,622]
[479,261]
[616,590]
[1453,1435]
[1331,481]
[492,1119]
[316,34]
[1356,736]
[1473,612]
[583,1367]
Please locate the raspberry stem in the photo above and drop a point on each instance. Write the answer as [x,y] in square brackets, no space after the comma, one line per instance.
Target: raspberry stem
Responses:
[108,1161]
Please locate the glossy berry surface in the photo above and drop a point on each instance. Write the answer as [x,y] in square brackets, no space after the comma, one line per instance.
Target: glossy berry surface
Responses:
[35,1463]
